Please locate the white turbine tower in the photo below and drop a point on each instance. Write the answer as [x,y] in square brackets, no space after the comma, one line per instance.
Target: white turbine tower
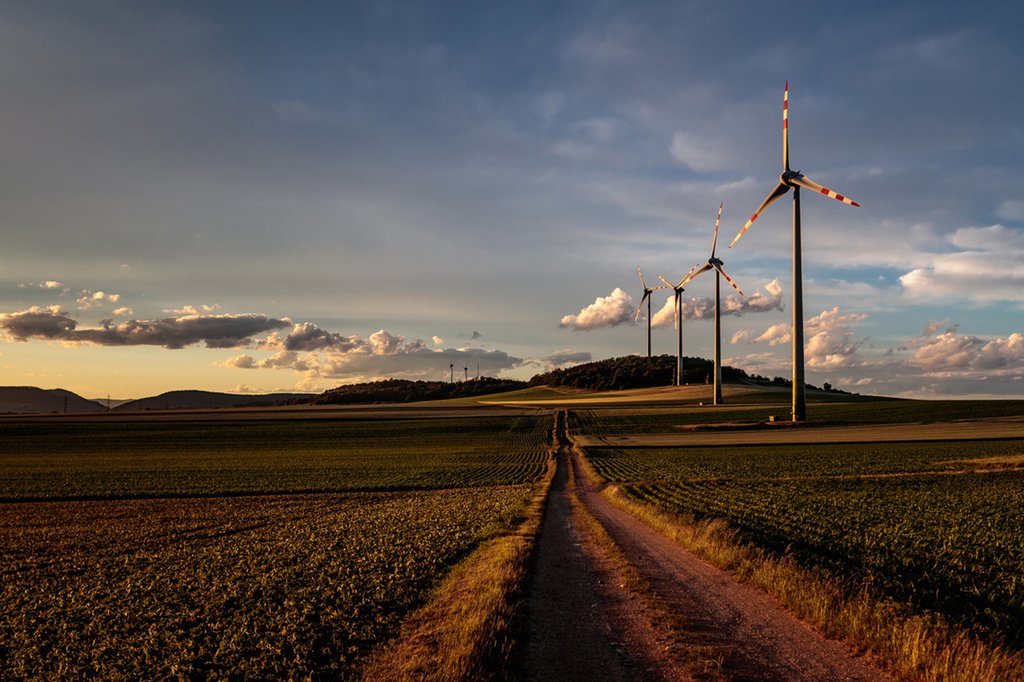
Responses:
[716,264]
[791,179]
[646,297]
[677,314]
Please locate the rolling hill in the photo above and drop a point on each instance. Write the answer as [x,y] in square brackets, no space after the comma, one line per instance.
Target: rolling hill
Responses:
[32,400]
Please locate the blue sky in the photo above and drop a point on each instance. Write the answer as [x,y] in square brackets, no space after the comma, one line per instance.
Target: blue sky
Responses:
[259,197]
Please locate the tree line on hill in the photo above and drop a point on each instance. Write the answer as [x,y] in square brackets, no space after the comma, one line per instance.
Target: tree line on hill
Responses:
[406,391]
[636,371]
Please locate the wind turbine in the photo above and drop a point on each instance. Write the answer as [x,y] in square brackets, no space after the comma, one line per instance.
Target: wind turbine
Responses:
[677,290]
[795,180]
[646,297]
[715,263]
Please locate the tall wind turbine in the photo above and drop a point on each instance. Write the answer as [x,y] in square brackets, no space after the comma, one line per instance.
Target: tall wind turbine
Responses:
[716,264]
[646,297]
[677,290]
[795,180]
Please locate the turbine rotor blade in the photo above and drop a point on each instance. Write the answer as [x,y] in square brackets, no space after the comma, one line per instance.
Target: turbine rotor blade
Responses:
[693,274]
[780,189]
[729,280]
[785,127]
[686,278]
[807,183]
[640,305]
[667,283]
[641,275]
[714,241]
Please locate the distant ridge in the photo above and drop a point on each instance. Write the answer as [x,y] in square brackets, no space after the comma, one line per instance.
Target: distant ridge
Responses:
[407,391]
[204,400]
[32,400]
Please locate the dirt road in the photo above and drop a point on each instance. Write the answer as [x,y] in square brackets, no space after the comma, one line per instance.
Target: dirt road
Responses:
[582,623]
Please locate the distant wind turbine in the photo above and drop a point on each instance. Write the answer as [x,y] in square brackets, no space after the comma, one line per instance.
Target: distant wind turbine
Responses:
[716,264]
[795,180]
[677,290]
[646,297]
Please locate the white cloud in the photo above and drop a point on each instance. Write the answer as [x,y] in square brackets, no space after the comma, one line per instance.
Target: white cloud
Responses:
[123,311]
[704,308]
[192,310]
[51,284]
[549,104]
[438,341]
[829,340]
[606,311]
[948,351]
[92,299]
[989,266]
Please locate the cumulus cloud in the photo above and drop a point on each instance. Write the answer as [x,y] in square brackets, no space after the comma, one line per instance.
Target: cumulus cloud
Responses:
[438,341]
[192,310]
[215,331]
[949,351]
[52,284]
[308,336]
[328,355]
[829,340]
[606,311]
[985,267]
[123,311]
[704,308]
[92,299]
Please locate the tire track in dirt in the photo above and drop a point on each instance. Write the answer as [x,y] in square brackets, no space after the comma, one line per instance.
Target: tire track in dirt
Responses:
[580,623]
[756,637]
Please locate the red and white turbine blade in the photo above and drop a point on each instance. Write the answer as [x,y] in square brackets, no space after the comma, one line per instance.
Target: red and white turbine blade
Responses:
[779,190]
[718,220]
[641,277]
[785,127]
[729,280]
[667,283]
[694,273]
[640,305]
[807,183]
[686,278]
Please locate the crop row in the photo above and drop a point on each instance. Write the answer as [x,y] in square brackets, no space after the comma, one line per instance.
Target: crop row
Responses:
[949,543]
[145,459]
[788,461]
[264,587]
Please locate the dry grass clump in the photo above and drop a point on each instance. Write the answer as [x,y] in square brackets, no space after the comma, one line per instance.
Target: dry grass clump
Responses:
[464,630]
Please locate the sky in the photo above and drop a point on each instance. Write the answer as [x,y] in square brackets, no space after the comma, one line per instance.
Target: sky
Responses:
[257,197]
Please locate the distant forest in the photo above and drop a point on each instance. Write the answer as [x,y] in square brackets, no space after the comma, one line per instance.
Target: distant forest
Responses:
[613,374]
[405,391]
[635,371]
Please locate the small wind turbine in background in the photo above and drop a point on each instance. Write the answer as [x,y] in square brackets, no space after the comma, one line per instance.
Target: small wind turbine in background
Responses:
[791,179]
[677,290]
[716,264]
[646,297]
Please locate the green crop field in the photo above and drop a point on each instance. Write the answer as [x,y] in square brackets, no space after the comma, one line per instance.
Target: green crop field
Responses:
[856,412]
[103,460]
[265,587]
[933,524]
[144,550]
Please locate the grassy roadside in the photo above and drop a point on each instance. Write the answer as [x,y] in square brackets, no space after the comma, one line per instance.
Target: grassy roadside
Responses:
[702,664]
[464,631]
[914,647]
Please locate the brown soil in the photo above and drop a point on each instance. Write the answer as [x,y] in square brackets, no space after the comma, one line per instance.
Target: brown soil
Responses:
[582,623]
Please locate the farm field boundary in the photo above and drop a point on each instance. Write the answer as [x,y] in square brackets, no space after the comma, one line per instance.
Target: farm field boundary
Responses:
[981,429]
